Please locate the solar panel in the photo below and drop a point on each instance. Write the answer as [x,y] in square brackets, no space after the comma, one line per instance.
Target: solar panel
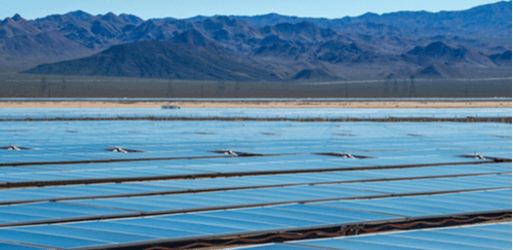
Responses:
[413,206]
[47,239]
[201,218]
[8,246]
[434,238]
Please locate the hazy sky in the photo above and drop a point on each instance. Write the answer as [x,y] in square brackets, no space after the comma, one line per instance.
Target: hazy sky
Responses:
[31,9]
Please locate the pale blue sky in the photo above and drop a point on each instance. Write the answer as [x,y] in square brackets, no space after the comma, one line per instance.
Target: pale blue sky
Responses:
[31,9]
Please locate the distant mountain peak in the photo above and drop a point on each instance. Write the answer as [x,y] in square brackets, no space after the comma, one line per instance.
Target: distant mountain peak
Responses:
[113,18]
[271,15]
[173,61]
[79,15]
[369,15]
[437,50]
[131,18]
[192,37]
[437,70]
[17,17]
[313,74]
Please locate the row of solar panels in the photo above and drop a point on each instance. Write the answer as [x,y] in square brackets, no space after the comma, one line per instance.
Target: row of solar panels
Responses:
[58,145]
[170,203]
[149,187]
[211,167]
[49,147]
[254,133]
[249,131]
[434,151]
[188,132]
[77,155]
[483,237]
[179,227]
[256,113]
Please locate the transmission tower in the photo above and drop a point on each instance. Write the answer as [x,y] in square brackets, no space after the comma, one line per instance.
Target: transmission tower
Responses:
[395,88]
[220,88]
[49,89]
[44,85]
[386,91]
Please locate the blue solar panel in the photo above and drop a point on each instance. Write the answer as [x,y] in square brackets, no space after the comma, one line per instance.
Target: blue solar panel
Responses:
[43,239]
[16,217]
[203,219]
[249,198]
[474,240]
[96,234]
[61,206]
[395,211]
[127,206]
[181,226]
[426,207]
[179,201]
[471,231]
[278,220]
[40,212]
[502,227]
[438,238]
[134,229]
[413,242]
[454,202]
[325,218]
[351,244]
[416,205]
[335,211]
[7,246]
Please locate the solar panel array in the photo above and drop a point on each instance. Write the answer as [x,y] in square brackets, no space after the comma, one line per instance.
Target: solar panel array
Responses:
[115,184]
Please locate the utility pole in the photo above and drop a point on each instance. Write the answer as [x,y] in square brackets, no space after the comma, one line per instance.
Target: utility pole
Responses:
[404,89]
[394,89]
[49,89]
[43,86]
[63,87]
[387,89]
[413,92]
[237,88]
[220,88]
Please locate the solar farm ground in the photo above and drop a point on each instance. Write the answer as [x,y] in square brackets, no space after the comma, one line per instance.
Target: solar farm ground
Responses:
[68,181]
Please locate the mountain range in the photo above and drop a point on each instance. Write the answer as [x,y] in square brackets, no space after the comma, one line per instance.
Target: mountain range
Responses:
[273,47]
